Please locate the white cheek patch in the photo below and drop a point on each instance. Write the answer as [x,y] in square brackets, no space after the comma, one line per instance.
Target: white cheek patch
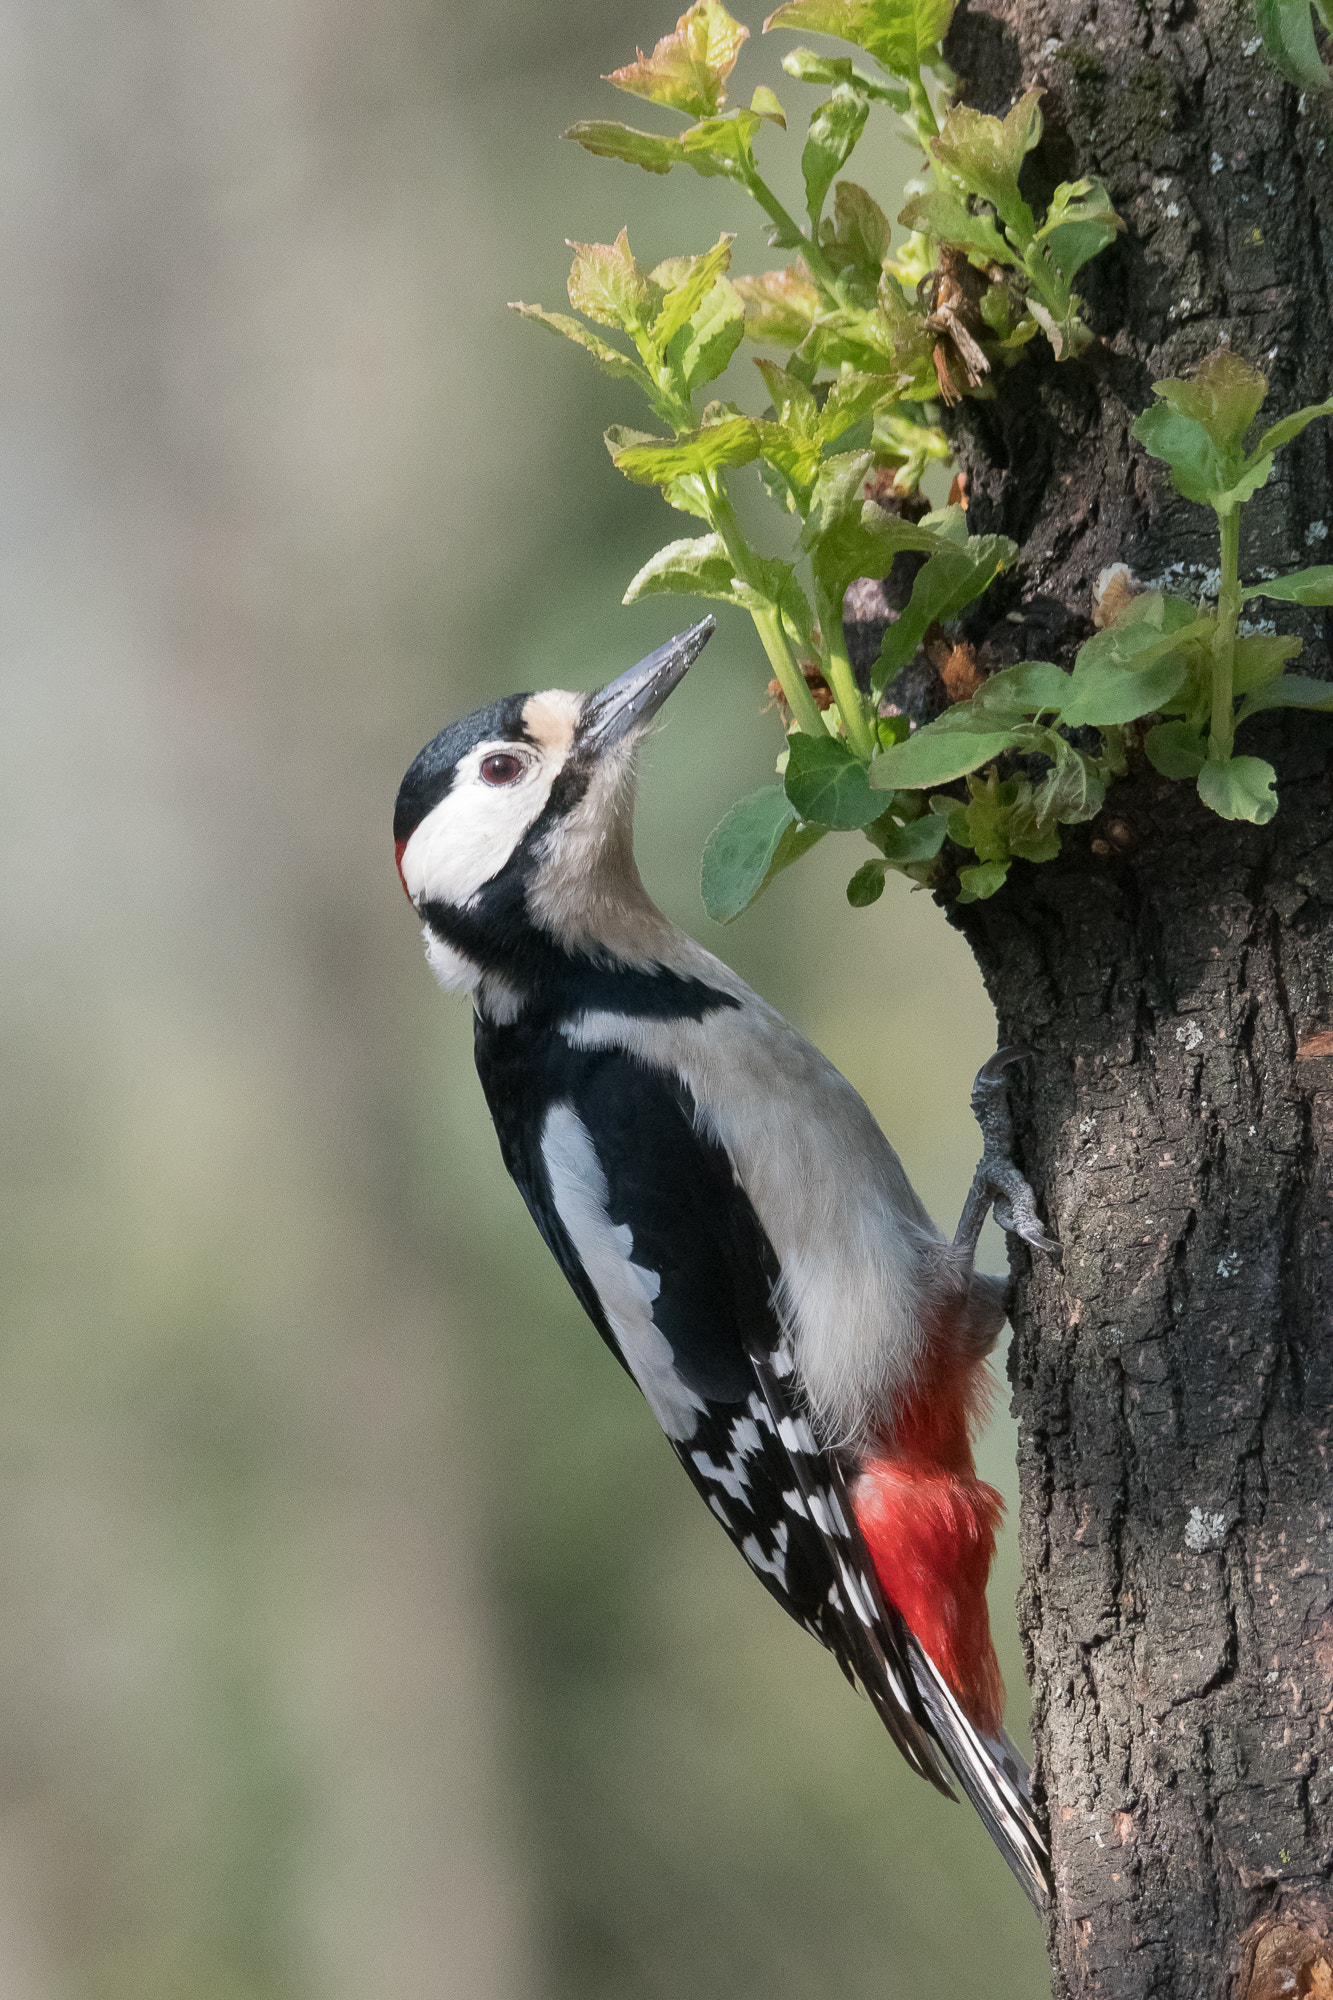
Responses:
[626,1291]
[469,836]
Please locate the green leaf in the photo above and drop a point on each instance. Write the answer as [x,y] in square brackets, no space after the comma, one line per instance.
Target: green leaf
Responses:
[950,580]
[1257,473]
[797,458]
[1064,329]
[1287,428]
[1199,426]
[689,67]
[950,523]
[1034,687]
[1164,613]
[985,156]
[688,495]
[792,441]
[1287,27]
[1004,818]
[944,214]
[700,351]
[1102,692]
[776,584]
[976,885]
[608,358]
[846,536]
[654,461]
[1176,749]
[1072,791]
[794,405]
[686,283]
[834,131]
[858,233]
[1223,394]
[839,497]
[902,34]
[780,305]
[805,65]
[1303,586]
[716,146]
[1155,628]
[850,398]
[867,885]
[1259,656]
[935,757]
[826,784]
[1240,788]
[1217,476]
[612,141]
[758,838]
[1198,469]
[1289,691]
[904,846]
[765,104]
[698,568]
[912,446]
[606,284]
[721,145]
[1079,223]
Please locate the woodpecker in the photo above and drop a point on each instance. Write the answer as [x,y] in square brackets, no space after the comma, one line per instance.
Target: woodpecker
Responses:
[732,1219]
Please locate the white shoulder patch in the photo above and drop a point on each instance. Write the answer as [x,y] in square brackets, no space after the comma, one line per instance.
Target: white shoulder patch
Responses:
[626,1290]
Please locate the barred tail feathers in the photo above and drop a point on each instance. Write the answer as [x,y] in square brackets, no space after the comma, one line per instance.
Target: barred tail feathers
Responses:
[994,1777]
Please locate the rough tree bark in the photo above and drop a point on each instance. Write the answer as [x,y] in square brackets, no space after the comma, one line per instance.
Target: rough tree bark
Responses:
[1173,975]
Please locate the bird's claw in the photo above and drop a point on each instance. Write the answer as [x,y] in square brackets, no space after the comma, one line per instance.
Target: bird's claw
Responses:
[1016,1212]
[992,1070]
[998,1184]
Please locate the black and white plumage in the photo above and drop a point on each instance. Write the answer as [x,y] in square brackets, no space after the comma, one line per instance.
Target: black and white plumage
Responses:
[730,1216]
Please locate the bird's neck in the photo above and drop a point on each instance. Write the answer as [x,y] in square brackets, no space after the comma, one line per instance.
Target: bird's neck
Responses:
[599,945]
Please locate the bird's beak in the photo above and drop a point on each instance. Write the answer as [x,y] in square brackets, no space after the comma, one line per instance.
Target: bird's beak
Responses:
[636,696]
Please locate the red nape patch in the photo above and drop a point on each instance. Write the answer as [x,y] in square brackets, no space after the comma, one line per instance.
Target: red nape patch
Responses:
[399,848]
[929,1524]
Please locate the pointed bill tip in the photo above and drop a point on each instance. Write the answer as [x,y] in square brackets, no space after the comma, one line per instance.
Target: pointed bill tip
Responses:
[636,696]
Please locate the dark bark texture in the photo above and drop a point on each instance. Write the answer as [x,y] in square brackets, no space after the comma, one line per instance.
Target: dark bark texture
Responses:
[1173,975]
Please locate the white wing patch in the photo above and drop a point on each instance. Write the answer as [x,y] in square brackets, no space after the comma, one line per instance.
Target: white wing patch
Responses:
[774,1565]
[731,1477]
[626,1290]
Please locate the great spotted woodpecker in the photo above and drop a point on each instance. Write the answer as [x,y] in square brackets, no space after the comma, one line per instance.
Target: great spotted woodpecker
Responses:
[732,1219]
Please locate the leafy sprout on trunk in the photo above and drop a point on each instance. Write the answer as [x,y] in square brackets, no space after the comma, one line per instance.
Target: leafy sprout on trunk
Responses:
[1162,656]
[873,338]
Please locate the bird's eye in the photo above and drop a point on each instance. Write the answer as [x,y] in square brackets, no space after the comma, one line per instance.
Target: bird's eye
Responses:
[502,769]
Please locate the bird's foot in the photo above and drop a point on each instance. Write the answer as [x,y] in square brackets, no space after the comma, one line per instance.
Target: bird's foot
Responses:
[997,1183]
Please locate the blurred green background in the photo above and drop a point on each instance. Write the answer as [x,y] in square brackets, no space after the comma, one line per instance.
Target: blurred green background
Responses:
[360,1637]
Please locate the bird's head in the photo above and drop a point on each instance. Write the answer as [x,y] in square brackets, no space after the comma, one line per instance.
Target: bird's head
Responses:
[514,826]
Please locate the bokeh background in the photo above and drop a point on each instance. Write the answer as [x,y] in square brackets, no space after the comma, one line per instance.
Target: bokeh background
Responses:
[359,1639]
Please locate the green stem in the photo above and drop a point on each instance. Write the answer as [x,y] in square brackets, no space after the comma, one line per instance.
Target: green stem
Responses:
[1222,731]
[819,265]
[838,672]
[800,701]
[924,122]
[768,621]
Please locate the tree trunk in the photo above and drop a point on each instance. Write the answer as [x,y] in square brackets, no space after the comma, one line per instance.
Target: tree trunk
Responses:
[1173,975]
